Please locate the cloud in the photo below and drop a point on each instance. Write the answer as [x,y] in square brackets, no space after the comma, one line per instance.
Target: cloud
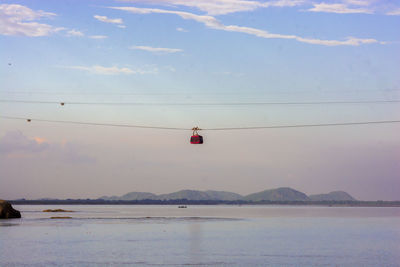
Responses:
[70,152]
[352,41]
[156,49]
[339,8]
[98,36]
[179,29]
[358,2]
[97,69]
[222,7]
[20,20]
[75,33]
[285,3]
[213,23]
[357,6]
[394,12]
[15,141]
[39,140]
[14,144]
[108,20]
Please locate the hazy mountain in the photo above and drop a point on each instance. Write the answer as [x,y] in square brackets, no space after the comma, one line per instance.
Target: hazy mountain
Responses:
[223,195]
[278,194]
[132,196]
[201,195]
[183,194]
[109,198]
[332,196]
[138,196]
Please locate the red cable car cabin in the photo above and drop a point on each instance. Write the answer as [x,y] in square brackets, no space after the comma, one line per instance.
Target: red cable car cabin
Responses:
[196,138]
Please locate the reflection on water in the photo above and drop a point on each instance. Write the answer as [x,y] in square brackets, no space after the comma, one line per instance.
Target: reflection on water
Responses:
[202,235]
[195,235]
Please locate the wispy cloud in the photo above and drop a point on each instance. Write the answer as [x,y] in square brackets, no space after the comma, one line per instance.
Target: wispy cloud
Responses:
[156,49]
[75,33]
[14,144]
[98,36]
[179,29]
[339,8]
[20,20]
[221,7]
[108,20]
[15,141]
[359,2]
[97,69]
[213,23]
[394,12]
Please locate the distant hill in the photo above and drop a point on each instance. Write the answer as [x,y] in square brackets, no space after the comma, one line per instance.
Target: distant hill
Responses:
[183,194]
[138,196]
[332,196]
[201,195]
[278,194]
[109,198]
[223,195]
[132,196]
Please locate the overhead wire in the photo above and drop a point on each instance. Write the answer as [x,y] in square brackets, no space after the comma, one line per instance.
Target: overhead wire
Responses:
[88,94]
[94,123]
[177,92]
[200,103]
[206,129]
[203,104]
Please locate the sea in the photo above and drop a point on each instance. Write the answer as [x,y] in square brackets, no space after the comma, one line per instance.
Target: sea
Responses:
[161,235]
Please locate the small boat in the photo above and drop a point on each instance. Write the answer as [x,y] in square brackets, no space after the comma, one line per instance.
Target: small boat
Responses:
[182,207]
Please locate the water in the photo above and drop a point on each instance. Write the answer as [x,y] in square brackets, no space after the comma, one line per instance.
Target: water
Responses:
[202,235]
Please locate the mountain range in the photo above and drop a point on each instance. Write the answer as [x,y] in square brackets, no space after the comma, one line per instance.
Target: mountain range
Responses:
[277,194]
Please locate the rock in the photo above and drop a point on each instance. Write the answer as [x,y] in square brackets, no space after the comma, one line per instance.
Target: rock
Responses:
[57,210]
[7,211]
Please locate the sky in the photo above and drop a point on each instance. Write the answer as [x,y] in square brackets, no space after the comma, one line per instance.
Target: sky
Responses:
[211,51]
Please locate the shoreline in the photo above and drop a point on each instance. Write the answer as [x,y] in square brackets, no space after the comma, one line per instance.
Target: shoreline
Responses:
[207,202]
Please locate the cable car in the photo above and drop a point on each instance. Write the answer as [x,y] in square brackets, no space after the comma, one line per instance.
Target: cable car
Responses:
[196,138]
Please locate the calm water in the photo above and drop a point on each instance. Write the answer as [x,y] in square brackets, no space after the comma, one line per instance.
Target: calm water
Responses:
[202,235]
